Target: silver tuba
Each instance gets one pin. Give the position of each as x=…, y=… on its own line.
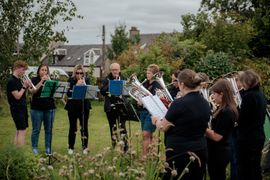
x=137, y=90
x=162, y=93
x=26, y=78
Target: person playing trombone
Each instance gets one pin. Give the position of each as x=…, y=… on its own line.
x=16, y=94
x=42, y=110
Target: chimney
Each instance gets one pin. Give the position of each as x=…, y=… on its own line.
x=133, y=32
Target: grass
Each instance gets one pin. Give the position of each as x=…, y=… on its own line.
x=99, y=133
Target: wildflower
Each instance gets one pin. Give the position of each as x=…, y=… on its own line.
x=86, y=174
x=174, y=173
x=50, y=167
x=91, y=171
x=121, y=174
x=192, y=158
x=110, y=168
x=186, y=170
x=166, y=165
x=43, y=168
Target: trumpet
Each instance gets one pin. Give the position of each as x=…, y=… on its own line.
x=26, y=78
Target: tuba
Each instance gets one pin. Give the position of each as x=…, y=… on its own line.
x=26, y=78
x=231, y=77
x=137, y=90
x=162, y=93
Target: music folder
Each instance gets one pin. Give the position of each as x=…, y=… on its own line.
x=116, y=87
x=85, y=92
x=155, y=106
x=49, y=88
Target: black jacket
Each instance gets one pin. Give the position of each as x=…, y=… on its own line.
x=104, y=90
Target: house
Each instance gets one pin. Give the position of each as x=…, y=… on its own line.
x=67, y=56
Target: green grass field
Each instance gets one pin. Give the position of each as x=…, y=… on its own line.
x=99, y=134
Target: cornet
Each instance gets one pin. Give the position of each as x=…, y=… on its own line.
x=26, y=78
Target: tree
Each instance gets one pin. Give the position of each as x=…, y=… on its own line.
x=35, y=22
x=258, y=11
x=120, y=42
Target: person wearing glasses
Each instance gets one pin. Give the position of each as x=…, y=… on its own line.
x=77, y=110
x=16, y=94
x=42, y=110
x=117, y=121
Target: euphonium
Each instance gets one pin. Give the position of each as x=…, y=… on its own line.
x=26, y=78
x=162, y=93
x=231, y=78
x=137, y=91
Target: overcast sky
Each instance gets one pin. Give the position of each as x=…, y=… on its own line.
x=149, y=16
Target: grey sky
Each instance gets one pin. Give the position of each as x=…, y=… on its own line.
x=149, y=16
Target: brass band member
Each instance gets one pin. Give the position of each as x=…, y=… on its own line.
x=250, y=126
x=115, y=118
x=77, y=110
x=174, y=90
x=147, y=127
x=189, y=115
x=16, y=94
x=42, y=110
x=222, y=124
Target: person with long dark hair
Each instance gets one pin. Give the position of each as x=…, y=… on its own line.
x=220, y=130
x=42, y=110
x=251, y=135
x=78, y=109
x=184, y=125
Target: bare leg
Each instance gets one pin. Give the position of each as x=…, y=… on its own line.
x=20, y=138
x=147, y=140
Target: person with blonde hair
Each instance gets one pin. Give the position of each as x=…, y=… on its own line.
x=145, y=117
x=16, y=94
x=78, y=109
x=185, y=125
x=251, y=135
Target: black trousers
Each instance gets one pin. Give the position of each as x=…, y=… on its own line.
x=250, y=158
x=218, y=159
x=73, y=116
x=117, y=121
x=179, y=162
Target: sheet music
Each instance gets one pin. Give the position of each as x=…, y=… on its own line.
x=155, y=106
x=61, y=90
x=91, y=92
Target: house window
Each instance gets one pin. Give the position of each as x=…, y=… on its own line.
x=92, y=57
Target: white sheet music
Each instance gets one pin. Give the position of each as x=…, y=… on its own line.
x=61, y=90
x=155, y=106
x=91, y=92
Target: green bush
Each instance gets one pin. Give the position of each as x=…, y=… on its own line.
x=215, y=64
x=15, y=164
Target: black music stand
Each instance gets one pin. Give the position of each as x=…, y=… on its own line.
x=49, y=90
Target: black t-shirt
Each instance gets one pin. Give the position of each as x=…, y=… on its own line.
x=222, y=124
x=40, y=103
x=173, y=91
x=14, y=84
x=190, y=115
x=152, y=86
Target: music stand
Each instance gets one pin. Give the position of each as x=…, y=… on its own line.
x=49, y=90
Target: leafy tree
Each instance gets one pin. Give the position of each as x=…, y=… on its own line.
x=35, y=22
x=120, y=42
x=256, y=10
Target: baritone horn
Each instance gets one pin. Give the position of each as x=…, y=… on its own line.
x=164, y=92
x=137, y=90
x=26, y=78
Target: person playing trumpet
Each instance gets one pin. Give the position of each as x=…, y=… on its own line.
x=77, y=110
x=42, y=110
x=16, y=94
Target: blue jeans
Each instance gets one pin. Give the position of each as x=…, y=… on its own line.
x=37, y=116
